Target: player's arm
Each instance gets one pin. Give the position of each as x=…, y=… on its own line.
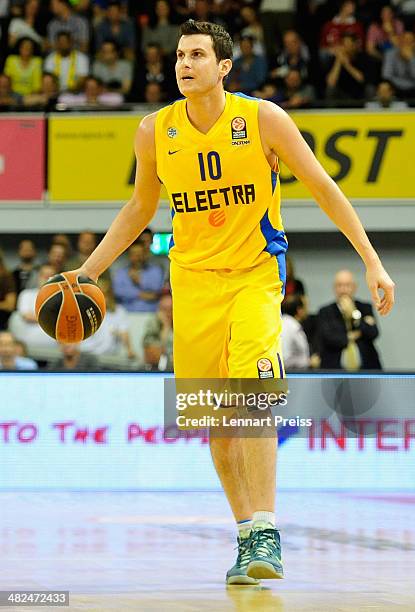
x=138, y=212
x=280, y=135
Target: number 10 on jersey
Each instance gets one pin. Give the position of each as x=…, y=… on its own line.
x=213, y=166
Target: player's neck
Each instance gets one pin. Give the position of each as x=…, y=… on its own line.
x=204, y=111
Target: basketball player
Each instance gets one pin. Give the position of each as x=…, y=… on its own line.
x=217, y=155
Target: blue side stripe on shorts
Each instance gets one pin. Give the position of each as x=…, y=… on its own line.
x=280, y=366
x=171, y=243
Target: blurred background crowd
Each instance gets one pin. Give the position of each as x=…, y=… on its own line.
x=92, y=54
x=137, y=332
x=298, y=53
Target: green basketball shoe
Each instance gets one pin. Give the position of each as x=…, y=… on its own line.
x=265, y=553
x=237, y=574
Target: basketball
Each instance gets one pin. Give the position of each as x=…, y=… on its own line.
x=69, y=307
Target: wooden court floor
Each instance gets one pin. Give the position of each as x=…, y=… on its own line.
x=169, y=552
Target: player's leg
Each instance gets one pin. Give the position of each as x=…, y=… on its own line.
x=200, y=322
x=254, y=350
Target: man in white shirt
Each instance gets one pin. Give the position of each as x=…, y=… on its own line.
x=27, y=328
x=295, y=347
x=70, y=66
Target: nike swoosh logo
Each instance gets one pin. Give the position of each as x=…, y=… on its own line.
x=173, y=152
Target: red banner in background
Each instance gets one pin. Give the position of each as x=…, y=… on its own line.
x=22, y=158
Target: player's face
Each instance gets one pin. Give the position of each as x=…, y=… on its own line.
x=197, y=69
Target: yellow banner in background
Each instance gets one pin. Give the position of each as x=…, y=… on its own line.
x=370, y=155
x=92, y=158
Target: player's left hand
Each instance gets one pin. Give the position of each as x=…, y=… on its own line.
x=377, y=278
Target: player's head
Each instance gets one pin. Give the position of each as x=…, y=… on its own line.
x=204, y=57
x=27, y=250
x=44, y=273
x=344, y=284
x=87, y=241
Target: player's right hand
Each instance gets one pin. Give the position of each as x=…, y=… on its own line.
x=377, y=278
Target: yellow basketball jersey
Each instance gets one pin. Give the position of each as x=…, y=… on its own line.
x=224, y=197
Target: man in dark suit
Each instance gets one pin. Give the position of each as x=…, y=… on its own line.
x=347, y=329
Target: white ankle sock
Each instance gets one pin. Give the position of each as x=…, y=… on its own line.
x=244, y=528
x=263, y=520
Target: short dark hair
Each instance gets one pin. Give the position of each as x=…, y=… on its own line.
x=221, y=39
x=292, y=304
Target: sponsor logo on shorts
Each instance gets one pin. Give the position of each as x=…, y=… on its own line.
x=265, y=369
x=239, y=131
x=171, y=132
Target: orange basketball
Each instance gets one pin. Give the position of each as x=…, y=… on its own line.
x=69, y=307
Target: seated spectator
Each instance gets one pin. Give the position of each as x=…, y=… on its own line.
x=24, y=69
x=276, y=17
x=293, y=285
x=346, y=71
x=8, y=99
x=153, y=94
x=249, y=71
x=347, y=329
x=115, y=26
x=385, y=98
x=138, y=286
x=115, y=73
x=7, y=294
x=9, y=358
x=48, y=95
x=183, y=8
x=295, y=93
x=93, y=95
x=203, y=10
x=87, y=241
x=24, y=274
x=64, y=240
x=158, y=338
x=383, y=34
x=294, y=56
x=69, y=65
x=57, y=256
x=27, y=26
x=251, y=26
x=160, y=30
x=399, y=65
x=269, y=91
x=154, y=69
x=73, y=360
x=28, y=329
x=295, y=348
x=146, y=240
x=343, y=23
x=113, y=334
x=66, y=20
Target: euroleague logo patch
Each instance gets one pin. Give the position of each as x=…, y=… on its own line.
x=238, y=126
x=265, y=369
x=217, y=218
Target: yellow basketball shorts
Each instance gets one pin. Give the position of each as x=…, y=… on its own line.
x=227, y=323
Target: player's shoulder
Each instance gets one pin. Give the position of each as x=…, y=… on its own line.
x=268, y=111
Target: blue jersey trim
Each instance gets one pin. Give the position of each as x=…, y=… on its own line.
x=274, y=177
x=242, y=95
x=171, y=243
x=276, y=244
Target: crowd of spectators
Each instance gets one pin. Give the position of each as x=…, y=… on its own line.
x=340, y=336
x=298, y=53
x=137, y=331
